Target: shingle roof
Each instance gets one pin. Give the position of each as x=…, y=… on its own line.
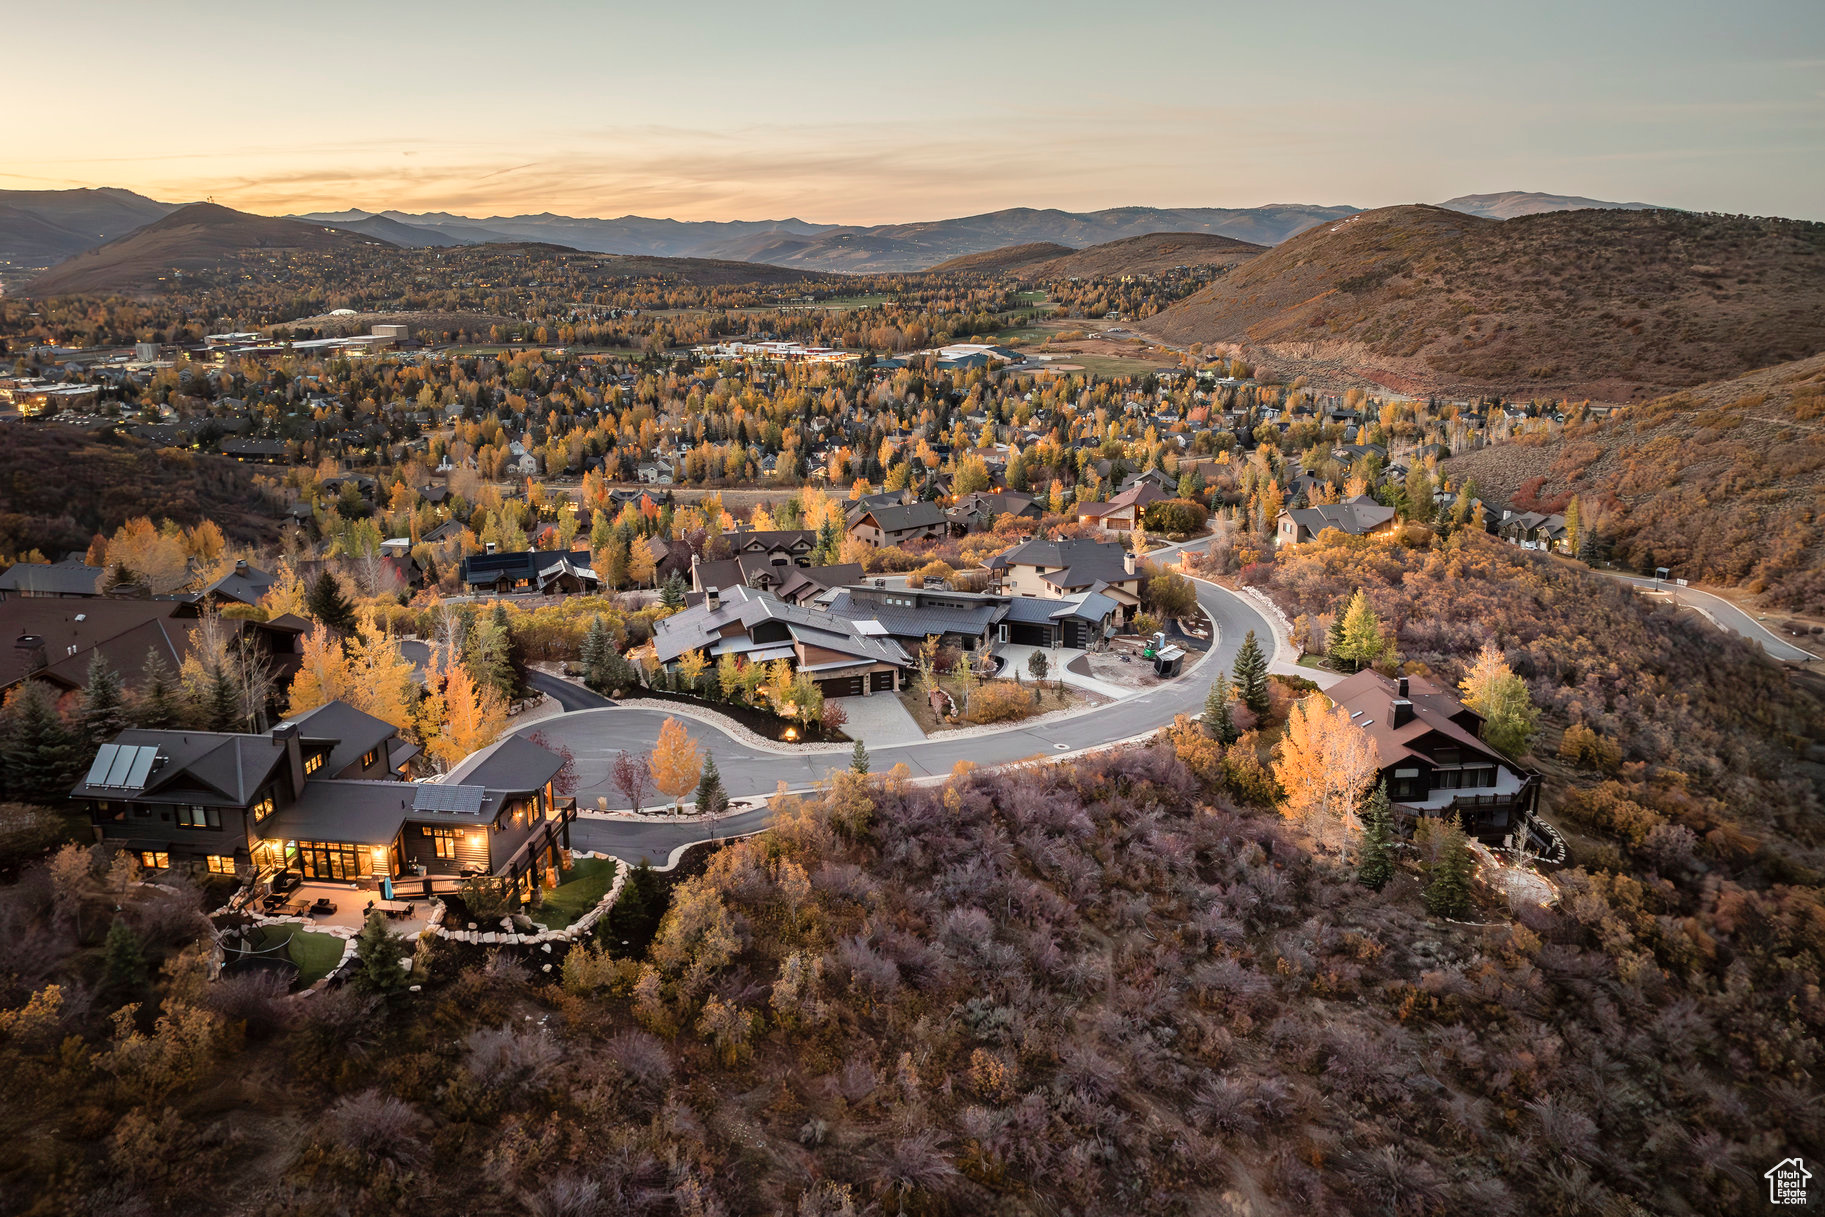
x=515, y=765
x=52, y=579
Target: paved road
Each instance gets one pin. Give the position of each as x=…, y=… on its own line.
x=568, y=695
x=1727, y=615
x=596, y=736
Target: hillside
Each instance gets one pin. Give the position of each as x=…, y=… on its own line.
x=1724, y=483
x=1612, y=305
x=65, y=485
x=406, y=236
x=201, y=241
x=1146, y=255
x=1512, y=203
x=39, y=228
x=1005, y=261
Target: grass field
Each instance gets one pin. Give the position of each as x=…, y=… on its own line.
x=315, y=954
x=584, y=886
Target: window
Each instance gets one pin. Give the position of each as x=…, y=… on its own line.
x=155, y=859
x=369, y=757
x=262, y=808
x=313, y=762
x=190, y=815
x=443, y=840
x=334, y=860
x=221, y=864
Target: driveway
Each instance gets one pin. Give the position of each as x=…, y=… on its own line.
x=881, y=721
x=1723, y=614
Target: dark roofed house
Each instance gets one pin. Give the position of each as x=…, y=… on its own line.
x=1431, y=753
x=242, y=585
x=1361, y=516
x=535, y=570
x=758, y=627
x=881, y=527
x=1123, y=512
x=53, y=640
x=1051, y=569
x=51, y=579
x=793, y=584
x=1533, y=530
x=979, y=511
x=321, y=796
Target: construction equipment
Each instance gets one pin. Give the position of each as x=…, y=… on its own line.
x=1155, y=645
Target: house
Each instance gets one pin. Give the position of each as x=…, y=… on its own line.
x=978, y=512
x=780, y=546
x=1430, y=751
x=1051, y=569
x=654, y=473
x=260, y=451
x=533, y=570
x=58, y=580
x=881, y=527
x=793, y=584
x=853, y=508
x=1533, y=530
x=1122, y=513
x=758, y=627
x=1361, y=516
x=322, y=796
x=242, y=585
x=53, y=640
x=973, y=621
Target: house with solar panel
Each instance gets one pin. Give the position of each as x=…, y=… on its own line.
x=324, y=796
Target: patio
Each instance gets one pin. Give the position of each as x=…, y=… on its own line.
x=351, y=903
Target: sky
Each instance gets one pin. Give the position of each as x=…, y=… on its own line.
x=858, y=113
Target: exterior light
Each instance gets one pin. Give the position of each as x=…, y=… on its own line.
x=791, y=733
x=475, y=838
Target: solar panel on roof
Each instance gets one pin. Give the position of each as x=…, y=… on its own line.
x=104, y=761
x=142, y=768
x=123, y=764
x=433, y=796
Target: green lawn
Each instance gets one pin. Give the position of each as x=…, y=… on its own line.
x=585, y=883
x=315, y=954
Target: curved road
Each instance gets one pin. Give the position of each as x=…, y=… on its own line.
x=596, y=735
x=1725, y=615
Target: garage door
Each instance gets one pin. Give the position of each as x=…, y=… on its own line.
x=882, y=682
x=843, y=686
x=1027, y=634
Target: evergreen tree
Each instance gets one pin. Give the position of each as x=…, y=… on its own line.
x=104, y=704
x=327, y=604
x=158, y=705
x=1376, y=866
x=1333, y=638
x=123, y=962
x=1362, y=643
x=1251, y=675
x=671, y=593
x=1219, y=724
x=221, y=709
x=1493, y=690
x=379, y=957
x=858, y=758
x=595, y=650
x=40, y=758
x=1447, y=892
x=634, y=919
x=712, y=799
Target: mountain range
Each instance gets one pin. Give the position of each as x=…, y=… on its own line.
x=40, y=228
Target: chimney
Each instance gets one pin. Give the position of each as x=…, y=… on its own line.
x=287, y=733
x=1402, y=707
x=1128, y=561
x=1401, y=686
x=30, y=650
x=712, y=597
x=488, y=547
x=240, y=566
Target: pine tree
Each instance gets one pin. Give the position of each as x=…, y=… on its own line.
x=221, y=709
x=40, y=758
x=594, y=652
x=1333, y=638
x=1219, y=723
x=1251, y=674
x=1362, y=643
x=104, y=705
x=1448, y=892
x=712, y=799
x=328, y=605
x=157, y=692
x=671, y=594
x=379, y=957
x=123, y=961
x=858, y=758
x=1376, y=866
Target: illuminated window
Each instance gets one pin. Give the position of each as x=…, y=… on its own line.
x=263, y=808
x=221, y=864
x=155, y=859
x=313, y=762
x=190, y=815
x=443, y=840
x=372, y=755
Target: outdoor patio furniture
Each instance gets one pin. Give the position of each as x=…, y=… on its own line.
x=324, y=907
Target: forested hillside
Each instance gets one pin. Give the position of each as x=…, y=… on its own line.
x=1724, y=483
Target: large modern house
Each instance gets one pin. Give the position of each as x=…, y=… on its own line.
x=1433, y=757
x=758, y=627
x=532, y=570
x=323, y=796
x=1056, y=569
x=973, y=621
